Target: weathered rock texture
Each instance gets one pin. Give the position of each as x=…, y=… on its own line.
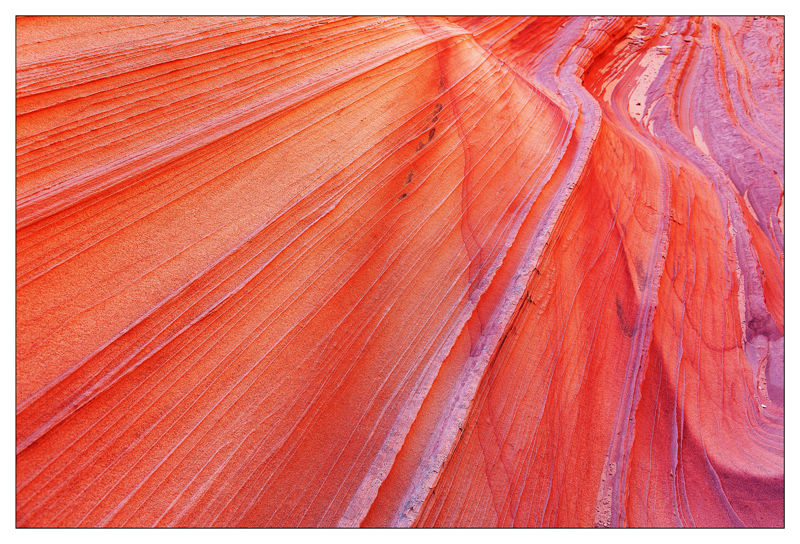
x=402, y=271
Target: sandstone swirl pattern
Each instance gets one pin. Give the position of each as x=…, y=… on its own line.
x=400, y=272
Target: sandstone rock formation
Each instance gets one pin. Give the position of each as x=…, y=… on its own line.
x=400, y=272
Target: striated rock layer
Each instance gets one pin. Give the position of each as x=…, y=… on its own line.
x=400, y=272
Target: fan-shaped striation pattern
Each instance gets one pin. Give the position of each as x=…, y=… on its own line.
x=399, y=271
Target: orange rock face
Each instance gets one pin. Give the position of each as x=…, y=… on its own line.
x=400, y=272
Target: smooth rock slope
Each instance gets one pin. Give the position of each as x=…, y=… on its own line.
x=400, y=272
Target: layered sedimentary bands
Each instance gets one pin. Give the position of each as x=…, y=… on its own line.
x=400, y=272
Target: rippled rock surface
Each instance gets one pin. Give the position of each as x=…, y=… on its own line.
x=400, y=272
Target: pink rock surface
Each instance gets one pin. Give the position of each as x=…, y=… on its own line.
x=400, y=272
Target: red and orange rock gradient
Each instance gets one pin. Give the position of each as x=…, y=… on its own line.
x=400, y=272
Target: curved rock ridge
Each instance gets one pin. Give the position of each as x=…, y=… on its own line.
x=464, y=272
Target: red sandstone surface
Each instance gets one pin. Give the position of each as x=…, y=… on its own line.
x=400, y=272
